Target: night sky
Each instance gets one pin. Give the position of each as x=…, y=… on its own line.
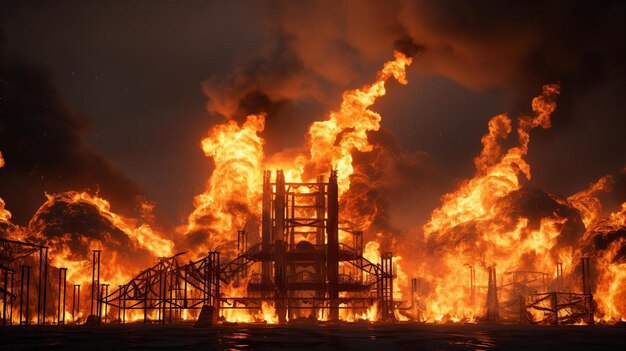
x=116, y=95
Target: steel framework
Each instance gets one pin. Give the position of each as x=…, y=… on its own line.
x=296, y=266
x=11, y=251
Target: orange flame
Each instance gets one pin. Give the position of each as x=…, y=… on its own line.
x=610, y=293
x=232, y=193
x=507, y=242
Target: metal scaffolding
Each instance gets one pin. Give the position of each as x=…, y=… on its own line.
x=296, y=266
x=12, y=253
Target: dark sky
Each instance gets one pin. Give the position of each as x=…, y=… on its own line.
x=148, y=78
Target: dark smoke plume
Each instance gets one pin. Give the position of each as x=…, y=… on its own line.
x=41, y=139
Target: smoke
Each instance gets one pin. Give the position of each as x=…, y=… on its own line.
x=391, y=191
x=42, y=141
x=318, y=47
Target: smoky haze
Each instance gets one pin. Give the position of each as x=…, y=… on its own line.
x=151, y=88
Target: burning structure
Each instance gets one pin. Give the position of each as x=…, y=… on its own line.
x=318, y=260
x=299, y=270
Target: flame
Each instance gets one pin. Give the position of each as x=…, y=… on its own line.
x=141, y=233
x=268, y=311
x=333, y=141
x=472, y=207
x=469, y=228
x=232, y=193
x=497, y=174
x=610, y=293
x=232, y=197
x=587, y=203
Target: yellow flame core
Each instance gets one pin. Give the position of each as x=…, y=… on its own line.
x=333, y=141
x=232, y=194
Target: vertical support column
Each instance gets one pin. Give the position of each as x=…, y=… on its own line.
x=586, y=270
x=61, y=302
x=217, y=281
x=242, y=242
x=25, y=317
x=266, y=226
x=559, y=276
x=357, y=242
x=185, y=290
x=280, y=266
x=290, y=204
x=104, y=299
x=207, y=281
x=163, y=294
x=414, y=304
x=279, y=207
x=214, y=283
x=145, y=303
x=75, y=302
x=493, y=309
x=11, y=304
x=171, y=286
x=40, y=286
x=320, y=239
x=357, y=245
x=242, y=247
x=320, y=210
x=125, y=287
x=45, y=285
x=554, y=305
x=332, y=248
x=95, y=282
x=120, y=318
x=386, y=286
x=4, y=298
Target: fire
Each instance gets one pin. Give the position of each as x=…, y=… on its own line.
x=474, y=229
x=232, y=195
x=610, y=293
x=497, y=174
x=73, y=223
x=232, y=198
x=333, y=141
x=140, y=233
x=588, y=203
x=468, y=228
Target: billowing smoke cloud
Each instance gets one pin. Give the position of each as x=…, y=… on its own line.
x=391, y=190
x=41, y=139
x=319, y=48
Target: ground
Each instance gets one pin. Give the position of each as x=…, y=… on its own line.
x=321, y=337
